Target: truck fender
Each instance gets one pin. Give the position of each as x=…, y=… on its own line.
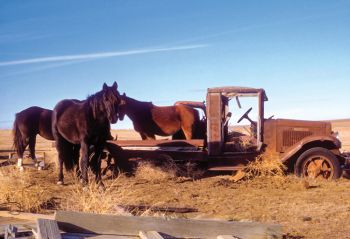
x=328, y=142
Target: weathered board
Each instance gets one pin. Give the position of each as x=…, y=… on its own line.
x=47, y=229
x=75, y=222
x=150, y=235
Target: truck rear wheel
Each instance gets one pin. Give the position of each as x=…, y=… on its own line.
x=318, y=163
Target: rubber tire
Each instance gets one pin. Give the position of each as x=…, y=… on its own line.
x=298, y=168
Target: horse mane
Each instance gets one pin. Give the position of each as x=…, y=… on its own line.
x=137, y=102
x=95, y=102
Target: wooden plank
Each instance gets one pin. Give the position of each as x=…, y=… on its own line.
x=23, y=216
x=94, y=236
x=10, y=232
x=159, y=143
x=226, y=237
x=39, y=155
x=182, y=228
x=150, y=235
x=47, y=229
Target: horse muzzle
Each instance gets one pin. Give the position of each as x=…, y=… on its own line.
x=113, y=119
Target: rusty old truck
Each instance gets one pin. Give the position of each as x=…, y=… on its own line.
x=307, y=148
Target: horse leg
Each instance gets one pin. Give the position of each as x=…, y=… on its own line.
x=32, y=140
x=60, y=149
x=84, y=162
x=20, y=152
x=151, y=137
x=96, y=165
x=109, y=164
x=75, y=157
x=64, y=149
x=145, y=136
x=187, y=131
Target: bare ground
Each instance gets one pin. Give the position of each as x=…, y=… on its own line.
x=305, y=208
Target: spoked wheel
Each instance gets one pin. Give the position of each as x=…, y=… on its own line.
x=318, y=163
x=318, y=166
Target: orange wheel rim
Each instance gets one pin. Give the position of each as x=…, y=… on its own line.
x=318, y=167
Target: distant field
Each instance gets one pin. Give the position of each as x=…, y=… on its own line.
x=343, y=128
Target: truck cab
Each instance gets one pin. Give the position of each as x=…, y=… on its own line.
x=308, y=148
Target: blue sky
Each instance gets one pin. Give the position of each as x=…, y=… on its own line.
x=164, y=51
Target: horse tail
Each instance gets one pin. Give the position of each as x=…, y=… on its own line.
x=18, y=143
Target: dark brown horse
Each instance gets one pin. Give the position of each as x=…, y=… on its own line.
x=150, y=120
x=28, y=123
x=76, y=126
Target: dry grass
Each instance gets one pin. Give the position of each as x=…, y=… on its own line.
x=167, y=169
x=304, y=208
x=266, y=165
x=151, y=172
x=20, y=190
x=91, y=198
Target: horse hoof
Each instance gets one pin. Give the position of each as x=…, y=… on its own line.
x=101, y=187
x=40, y=168
x=21, y=168
x=83, y=182
x=60, y=183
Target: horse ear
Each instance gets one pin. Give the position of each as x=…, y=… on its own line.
x=105, y=87
x=124, y=95
x=115, y=85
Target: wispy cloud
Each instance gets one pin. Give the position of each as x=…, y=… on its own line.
x=98, y=55
x=41, y=68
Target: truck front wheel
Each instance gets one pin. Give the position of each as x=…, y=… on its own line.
x=318, y=163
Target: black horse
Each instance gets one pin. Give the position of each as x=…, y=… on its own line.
x=76, y=126
x=28, y=123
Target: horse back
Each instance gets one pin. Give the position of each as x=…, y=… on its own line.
x=68, y=118
x=165, y=113
x=28, y=120
x=187, y=113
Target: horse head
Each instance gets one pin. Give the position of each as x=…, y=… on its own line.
x=122, y=107
x=104, y=102
x=111, y=101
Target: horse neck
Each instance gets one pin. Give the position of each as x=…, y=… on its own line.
x=100, y=116
x=135, y=107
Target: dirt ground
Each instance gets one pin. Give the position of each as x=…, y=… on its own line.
x=305, y=208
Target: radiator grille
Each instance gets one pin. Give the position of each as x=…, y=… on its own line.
x=291, y=137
